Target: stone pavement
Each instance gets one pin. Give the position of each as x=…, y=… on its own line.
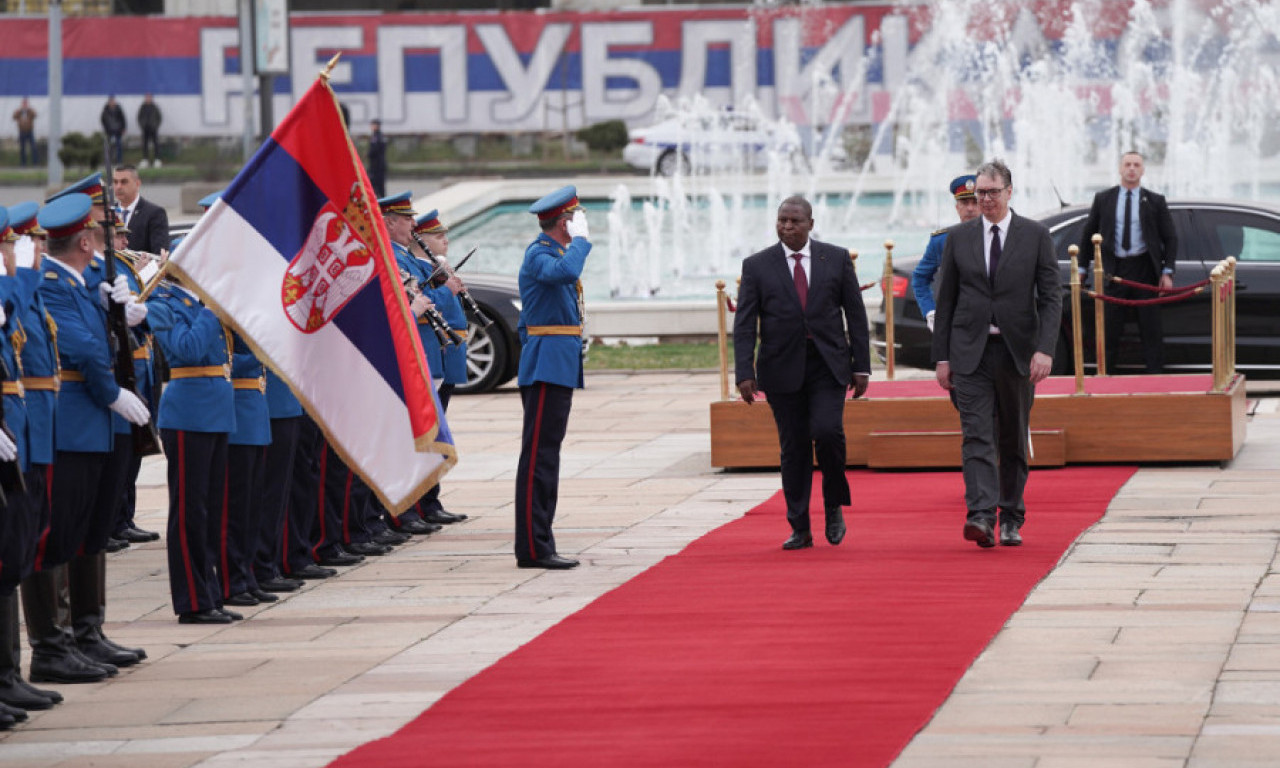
x=1154, y=643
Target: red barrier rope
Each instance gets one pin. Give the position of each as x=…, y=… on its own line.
x=867, y=286
x=1167, y=299
x=1155, y=288
x=728, y=302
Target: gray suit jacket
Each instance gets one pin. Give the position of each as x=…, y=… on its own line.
x=1025, y=301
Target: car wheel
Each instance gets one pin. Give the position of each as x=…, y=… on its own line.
x=672, y=162
x=486, y=358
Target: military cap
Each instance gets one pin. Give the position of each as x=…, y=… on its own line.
x=401, y=204
x=67, y=214
x=563, y=200
x=22, y=217
x=429, y=223
x=7, y=235
x=962, y=186
x=90, y=185
x=208, y=200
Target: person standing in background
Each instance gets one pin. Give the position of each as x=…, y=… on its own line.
x=377, y=158
x=114, y=125
x=149, y=118
x=25, y=117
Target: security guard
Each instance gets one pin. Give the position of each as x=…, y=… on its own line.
x=397, y=211
x=38, y=355
x=551, y=325
x=197, y=413
x=922, y=276
x=79, y=489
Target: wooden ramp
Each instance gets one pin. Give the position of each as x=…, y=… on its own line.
x=912, y=424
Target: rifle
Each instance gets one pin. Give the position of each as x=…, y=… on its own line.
x=146, y=439
x=444, y=272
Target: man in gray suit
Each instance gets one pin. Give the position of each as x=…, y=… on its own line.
x=800, y=298
x=999, y=305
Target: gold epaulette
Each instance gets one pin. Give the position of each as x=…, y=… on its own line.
x=937, y=232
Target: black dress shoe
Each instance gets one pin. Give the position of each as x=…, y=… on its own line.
x=111, y=669
x=101, y=653
x=140, y=653
x=279, y=584
x=368, y=548
x=6, y=722
x=43, y=693
x=233, y=615
x=15, y=694
x=136, y=535
x=1009, y=535
x=835, y=526
x=417, y=528
x=980, y=531
x=313, y=571
x=390, y=538
x=115, y=545
x=799, y=540
x=244, y=598
x=440, y=517
x=263, y=595
x=210, y=616
x=550, y=562
x=65, y=668
x=17, y=713
x=339, y=556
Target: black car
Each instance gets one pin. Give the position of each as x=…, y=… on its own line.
x=1208, y=231
x=493, y=352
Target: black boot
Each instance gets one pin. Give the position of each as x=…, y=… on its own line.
x=13, y=689
x=53, y=655
x=88, y=577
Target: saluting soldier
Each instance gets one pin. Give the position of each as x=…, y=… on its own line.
x=38, y=357
x=197, y=413
x=551, y=326
x=18, y=517
x=80, y=491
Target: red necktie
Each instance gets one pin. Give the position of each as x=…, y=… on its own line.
x=802, y=282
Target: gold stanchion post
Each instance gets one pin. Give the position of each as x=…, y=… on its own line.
x=1077, y=340
x=1099, y=308
x=1216, y=280
x=1231, y=318
x=887, y=292
x=722, y=312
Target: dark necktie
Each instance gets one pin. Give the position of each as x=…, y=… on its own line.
x=995, y=253
x=1128, y=219
x=802, y=282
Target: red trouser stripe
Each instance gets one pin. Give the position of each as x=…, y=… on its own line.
x=533, y=467
x=223, y=545
x=44, y=534
x=182, y=520
x=324, y=463
x=346, y=509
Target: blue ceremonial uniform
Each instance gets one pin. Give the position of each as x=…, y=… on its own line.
x=39, y=366
x=19, y=517
x=926, y=268
x=454, y=355
x=550, y=369
x=197, y=413
x=409, y=264
x=246, y=460
x=549, y=296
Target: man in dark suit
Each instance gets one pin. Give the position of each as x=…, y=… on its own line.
x=812, y=328
x=148, y=223
x=999, y=305
x=1138, y=244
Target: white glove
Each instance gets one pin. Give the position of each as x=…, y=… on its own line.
x=928, y=319
x=8, y=451
x=131, y=408
x=577, y=226
x=134, y=312
x=104, y=294
x=120, y=293
x=3, y=317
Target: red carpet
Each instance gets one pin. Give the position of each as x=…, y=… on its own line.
x=735, y=653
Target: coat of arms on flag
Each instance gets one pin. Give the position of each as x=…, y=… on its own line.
x=296, y=257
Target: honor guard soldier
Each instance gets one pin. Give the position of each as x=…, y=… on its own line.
x=430, y=232
x=922, y=276
x=81, y=495
x=30, y=245
x=244, y=515
x=279, y=534
x=19, y=516
x=397, y=211
x=197, y=413
x=551, y=326
x=38, y=358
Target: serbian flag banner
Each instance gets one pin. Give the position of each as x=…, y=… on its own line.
x=295, y=257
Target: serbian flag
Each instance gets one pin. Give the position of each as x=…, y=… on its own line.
x=295, y=257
